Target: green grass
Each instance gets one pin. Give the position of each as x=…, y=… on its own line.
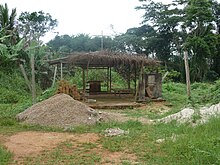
x=5, y=156
x=199, y=145
x=66, y=153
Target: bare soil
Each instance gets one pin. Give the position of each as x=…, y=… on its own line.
x=32, y=144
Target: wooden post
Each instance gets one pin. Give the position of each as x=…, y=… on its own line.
x=187, y=73
x=84, y=83
x=110, y=77
x=129, y=77
x=61, y=71
x=54, y=76
x=141, y=86
x=135, y=78
x=33, y=79
x=107, y=79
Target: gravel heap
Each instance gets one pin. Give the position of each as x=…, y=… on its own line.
x=62, y=111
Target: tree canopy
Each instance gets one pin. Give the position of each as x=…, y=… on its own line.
x=166, y=31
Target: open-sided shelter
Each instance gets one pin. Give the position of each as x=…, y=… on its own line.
x=134, y=64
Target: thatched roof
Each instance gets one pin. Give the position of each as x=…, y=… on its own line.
x=104, y=59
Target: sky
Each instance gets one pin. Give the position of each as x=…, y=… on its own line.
x=92, y=17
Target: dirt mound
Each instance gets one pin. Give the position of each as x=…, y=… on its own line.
x=62, y=111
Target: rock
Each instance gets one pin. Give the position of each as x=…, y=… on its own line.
x=183, y=116
x=187, y=114
x=206, y=113
x=115, y=132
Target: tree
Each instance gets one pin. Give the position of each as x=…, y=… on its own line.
x=36, y=24
x=216, y=56
x=33, y=26
x=201, y=40
x=165, y=20
x=79, y=43
x=190, y=24
x=7, y=25
x=133, y=40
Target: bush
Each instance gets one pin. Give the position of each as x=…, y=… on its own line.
x=13, y=88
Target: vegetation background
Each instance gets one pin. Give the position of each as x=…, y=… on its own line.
x=167, y=30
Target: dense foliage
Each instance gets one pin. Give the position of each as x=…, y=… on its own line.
x=166, y=32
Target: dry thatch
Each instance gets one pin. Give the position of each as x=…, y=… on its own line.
x=104, y=59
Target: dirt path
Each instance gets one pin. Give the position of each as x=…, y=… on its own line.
x=32, y=144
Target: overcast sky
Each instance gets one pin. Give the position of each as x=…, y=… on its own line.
x=85, y=16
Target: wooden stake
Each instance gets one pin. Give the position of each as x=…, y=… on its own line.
x=187, y=73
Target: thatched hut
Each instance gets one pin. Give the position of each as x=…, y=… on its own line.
x=135, y=63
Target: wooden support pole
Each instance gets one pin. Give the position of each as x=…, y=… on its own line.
x=141, y=86
x=135, y=78
x=54, y=76
x=107, y=79
x=187, y=73
x=61, y=71
x=84, y=82
x=129, y=77
x=110, y=77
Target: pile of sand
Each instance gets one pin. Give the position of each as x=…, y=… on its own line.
x=62, y=111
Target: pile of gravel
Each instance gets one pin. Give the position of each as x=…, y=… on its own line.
x=61, y=111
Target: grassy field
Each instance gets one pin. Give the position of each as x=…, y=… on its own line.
x=179, y=144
